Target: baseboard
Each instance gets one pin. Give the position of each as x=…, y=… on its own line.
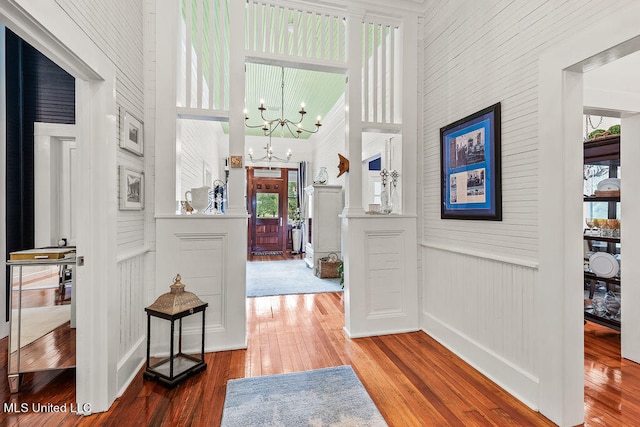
x=130, y=364
x=379, y=333
x=517, y=382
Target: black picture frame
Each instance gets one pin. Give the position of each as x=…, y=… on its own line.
x=471, y=168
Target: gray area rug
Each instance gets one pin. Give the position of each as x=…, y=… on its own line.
x=324, y=397
x=266, y=278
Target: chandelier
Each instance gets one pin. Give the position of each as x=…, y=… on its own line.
x=270, y=125
x=269, y=156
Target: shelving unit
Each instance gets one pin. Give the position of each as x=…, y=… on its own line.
x=602, y=152
x=324, y=206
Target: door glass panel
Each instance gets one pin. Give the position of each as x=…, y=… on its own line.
x=267, y=205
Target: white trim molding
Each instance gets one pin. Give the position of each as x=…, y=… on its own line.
x=485, y=255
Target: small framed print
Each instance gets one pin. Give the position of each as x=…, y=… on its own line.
x=236, y=161
x=132, y=138
x=131, y=189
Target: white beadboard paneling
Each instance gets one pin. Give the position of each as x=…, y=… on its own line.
x=483, y=310
x=132, y=319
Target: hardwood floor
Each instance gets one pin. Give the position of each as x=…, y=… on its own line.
x=283, y=257
x=413, y=380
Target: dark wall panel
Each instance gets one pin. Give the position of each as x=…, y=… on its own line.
x=14, y=167
x=37, y=91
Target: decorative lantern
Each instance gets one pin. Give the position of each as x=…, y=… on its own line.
x=172, y=306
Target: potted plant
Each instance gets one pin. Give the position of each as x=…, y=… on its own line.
x=296, y=233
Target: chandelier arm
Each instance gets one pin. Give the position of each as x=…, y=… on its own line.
x=311, y=131
x=264, y=119
x=295, y=123
x=270, y=131
x=253, y=127
x=295, y=135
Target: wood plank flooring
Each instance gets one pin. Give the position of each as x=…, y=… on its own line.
x=413, y=380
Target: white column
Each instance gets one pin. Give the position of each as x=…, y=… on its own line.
x=353, y=119
x=408, y=60
x=630, y=233
x=236, y=106
x=559, y=319
x=165, y=123
x=96, y=298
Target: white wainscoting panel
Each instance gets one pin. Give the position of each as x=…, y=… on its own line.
x=132, y=319
x=381, y=279
x=385, y=275
x=483, y=310
x=209, y=252
x=201, y=258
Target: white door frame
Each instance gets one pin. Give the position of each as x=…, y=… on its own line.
x=558, y=296
x=4, y=326
x=49, y=29
x=48, y=139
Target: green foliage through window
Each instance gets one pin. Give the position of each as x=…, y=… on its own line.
x=267, y=205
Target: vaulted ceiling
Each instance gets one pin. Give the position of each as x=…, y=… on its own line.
x=319, y=91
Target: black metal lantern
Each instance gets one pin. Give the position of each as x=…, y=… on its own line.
x=172, y=306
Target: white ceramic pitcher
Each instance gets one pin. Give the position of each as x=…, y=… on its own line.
x=199, y=199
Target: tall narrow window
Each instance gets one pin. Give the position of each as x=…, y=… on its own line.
x=292, y=196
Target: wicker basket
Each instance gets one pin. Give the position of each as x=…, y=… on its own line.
x=328, y=267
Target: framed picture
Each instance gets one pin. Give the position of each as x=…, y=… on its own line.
x=131, y=189
x=132, y=138
x=470, y=162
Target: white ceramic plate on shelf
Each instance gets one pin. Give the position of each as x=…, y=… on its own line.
x=609, y=184
x=603, y=264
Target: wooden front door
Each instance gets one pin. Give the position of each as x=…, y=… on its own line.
x=268, y=209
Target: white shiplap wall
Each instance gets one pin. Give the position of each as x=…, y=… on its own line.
x=327, y=143
x=117, y=27
x=478, y=277
x=476, y=55
x=199, y=141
